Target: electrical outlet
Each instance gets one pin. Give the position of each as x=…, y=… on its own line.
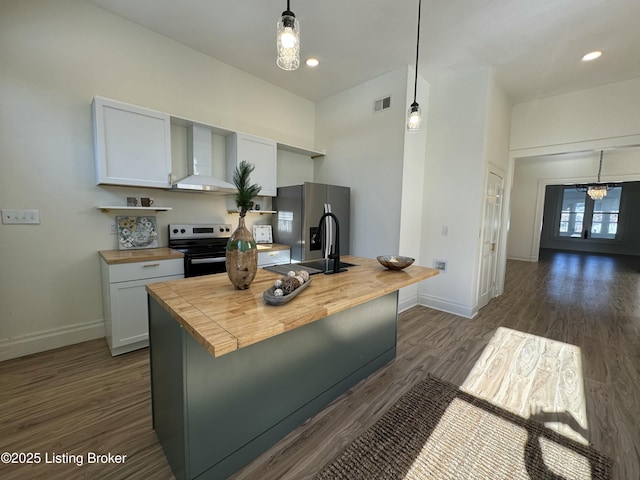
x=445, y=230
x=8, y=215
x=112, y=229
x=14, y=217
x=440, y=265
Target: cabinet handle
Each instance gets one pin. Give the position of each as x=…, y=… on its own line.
x=151, y=265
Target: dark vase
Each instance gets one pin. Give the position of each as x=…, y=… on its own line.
x=241, y=257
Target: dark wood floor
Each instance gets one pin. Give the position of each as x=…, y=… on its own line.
x=79, y=399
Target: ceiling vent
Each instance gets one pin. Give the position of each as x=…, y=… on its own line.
x=382, y=104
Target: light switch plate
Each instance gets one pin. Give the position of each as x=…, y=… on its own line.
x=16, y=217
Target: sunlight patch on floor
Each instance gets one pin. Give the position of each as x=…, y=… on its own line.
x=533, y=377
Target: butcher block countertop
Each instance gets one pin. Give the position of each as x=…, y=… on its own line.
x=223, y=319
x=272, y=247
x=114, y=257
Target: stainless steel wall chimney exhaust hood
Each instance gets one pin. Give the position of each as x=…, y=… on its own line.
x=200, y=165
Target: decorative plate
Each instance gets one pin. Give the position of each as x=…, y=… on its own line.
x=136, y=232
x=262, y=234
x=271, y=299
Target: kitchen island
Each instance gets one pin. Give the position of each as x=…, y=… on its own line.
x=231, y=375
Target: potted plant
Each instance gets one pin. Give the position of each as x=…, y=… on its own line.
x=242, y=252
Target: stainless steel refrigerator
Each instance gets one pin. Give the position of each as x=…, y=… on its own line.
x=299, y=209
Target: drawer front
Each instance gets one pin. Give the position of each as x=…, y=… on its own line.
x=276, y=257
x=144, y=270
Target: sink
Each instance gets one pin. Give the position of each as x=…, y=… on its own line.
x=311, y=266
x=323, y=265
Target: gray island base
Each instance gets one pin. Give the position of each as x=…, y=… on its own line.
x=213, y=415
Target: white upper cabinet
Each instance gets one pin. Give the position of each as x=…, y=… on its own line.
x=132, y=145
x=261, y=152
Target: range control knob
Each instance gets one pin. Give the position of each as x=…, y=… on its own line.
x=183, y=230
x=221, y=229
x=228, y=229
x=175, y=230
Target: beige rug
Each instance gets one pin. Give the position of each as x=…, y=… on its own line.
x=435, y=431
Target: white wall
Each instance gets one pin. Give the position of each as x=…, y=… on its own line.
x=610, y=111
x=411, y=216
x=496, y=154
x=294, y=169
x=498, y=126
x=55, y=57
x=381, y=162
x=468, y=120
x=365, y=152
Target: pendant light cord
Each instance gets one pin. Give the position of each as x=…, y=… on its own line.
x=600, y=169
x=415, y=82
x=288, y=11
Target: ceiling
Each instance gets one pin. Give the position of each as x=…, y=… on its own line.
x=534, y=46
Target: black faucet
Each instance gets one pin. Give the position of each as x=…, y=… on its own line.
x=335, y=255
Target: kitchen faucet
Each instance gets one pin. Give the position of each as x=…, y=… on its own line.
x=335, y=256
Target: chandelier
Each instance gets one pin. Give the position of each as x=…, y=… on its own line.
x=598, y=190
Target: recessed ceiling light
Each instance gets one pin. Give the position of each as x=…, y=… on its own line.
x=591, y=56
x=312, y=62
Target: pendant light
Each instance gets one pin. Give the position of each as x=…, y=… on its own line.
x=414, y=120
x=288, y=41
x=598, y=190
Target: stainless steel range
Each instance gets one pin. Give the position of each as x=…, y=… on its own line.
x=203, y=246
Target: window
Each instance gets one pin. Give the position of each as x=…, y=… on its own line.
x=581, y=214
x=604, y=223
x=572, y=214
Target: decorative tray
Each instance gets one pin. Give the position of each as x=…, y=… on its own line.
x=271, y=299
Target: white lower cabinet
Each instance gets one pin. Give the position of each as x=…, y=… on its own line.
x=275, y=257
x=125, y=300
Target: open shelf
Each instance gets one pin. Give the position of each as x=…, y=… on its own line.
x=261, y=212
x=302, y=150
x=108, y=208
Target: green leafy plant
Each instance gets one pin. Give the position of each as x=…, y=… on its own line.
x=246, y=191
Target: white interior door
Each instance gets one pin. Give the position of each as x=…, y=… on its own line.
x=490, y=238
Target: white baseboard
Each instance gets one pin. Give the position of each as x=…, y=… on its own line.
x=447, y=306
x=407, y=303
x=50, y=339
x=407, y=297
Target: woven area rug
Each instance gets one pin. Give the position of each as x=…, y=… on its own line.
x=435, y=431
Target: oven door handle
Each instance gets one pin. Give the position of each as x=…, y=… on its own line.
x=200, y=261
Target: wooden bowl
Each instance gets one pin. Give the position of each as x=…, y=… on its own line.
x=395, y=262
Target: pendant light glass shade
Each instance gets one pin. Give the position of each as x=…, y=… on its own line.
x=414, y=119
x=288, y=41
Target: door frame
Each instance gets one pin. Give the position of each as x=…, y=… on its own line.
x=498, y=273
